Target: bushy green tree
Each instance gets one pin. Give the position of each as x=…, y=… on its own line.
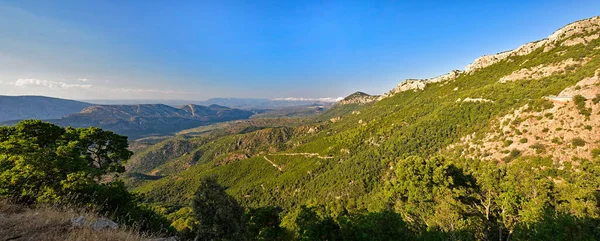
x=376, y=226
x=312, y=226
x=218, y=214
x=264, y=223
x=44, y=163
x=432, y=193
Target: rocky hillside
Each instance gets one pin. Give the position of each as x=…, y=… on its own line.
x=538, y=101
x=37, y=107
x=143, y=120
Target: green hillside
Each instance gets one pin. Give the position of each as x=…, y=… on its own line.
x=353, y=156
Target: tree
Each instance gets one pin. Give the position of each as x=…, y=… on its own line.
x=385, y=225
x=42, y=162
x=311, y=226
x=432, y=193
x=218, y=214
x=264, y=223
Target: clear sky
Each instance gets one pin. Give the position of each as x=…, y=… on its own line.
x=195, y=50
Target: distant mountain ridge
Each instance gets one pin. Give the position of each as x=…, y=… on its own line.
x=132, y=120
x=150, y=119
x=239, y=103
x=37, y=107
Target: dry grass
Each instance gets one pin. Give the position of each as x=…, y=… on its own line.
x=19, y=223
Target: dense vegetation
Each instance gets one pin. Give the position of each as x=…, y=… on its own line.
x=365, y=159
x=41, y=163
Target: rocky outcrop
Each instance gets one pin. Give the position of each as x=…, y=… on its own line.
x=420, y=84
x=541, y=71
x=358, y=97
x=469, y=99
x=564, y=34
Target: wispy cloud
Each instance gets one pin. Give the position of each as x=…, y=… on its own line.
x=49, y=84
x=326, y=99
x=63, y=84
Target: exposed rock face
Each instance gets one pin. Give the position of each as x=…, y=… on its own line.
x=579, y=27
x=587, y=87
x=567, y=36
x=420, y=84
x=542, y=71
x=469, y=99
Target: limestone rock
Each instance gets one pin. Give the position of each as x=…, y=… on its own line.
x=579, y=27
x=420, y=84
x=78, y=222
x=104, y=223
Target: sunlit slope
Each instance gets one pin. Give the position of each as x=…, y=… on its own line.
x=345, y=158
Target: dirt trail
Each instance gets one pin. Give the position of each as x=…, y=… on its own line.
x=273, y=163
x=303, y=154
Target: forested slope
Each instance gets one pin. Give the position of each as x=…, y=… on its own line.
x=398, y=151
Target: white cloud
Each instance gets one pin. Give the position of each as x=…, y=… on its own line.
x=326, y=99
x=49, y=84
x=83, y=80
x=31, y=85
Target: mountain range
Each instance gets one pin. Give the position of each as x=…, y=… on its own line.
x=37, y=107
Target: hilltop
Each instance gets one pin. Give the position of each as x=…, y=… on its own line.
x=37, y=107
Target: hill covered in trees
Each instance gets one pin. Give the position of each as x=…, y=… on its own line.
x=405, y=152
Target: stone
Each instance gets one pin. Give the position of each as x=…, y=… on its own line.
x=163, y=239
x=104, y=223
x=78, y=221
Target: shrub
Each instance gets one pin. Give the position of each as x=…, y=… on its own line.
x=556, y=140
x=596, y=99
x=577, y=141
x=523, y=140
x=538, y=147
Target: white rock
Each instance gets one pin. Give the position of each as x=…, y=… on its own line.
x=163, y=239
x=579, y=27
x=103, y=223
x=78, y=222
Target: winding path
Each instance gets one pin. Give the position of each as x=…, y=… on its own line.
x=273, y=163
x=303, y=154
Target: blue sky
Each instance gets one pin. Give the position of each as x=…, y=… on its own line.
x=261, y=49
